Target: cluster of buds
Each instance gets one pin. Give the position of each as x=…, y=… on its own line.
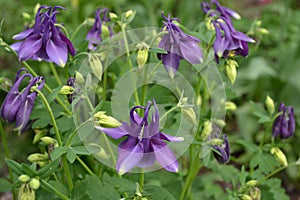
x=28, y=188
x=250, y=191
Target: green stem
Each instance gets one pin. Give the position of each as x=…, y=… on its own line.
x=75, y=131
x=77, y=30
x=142, y=179
x=168, y=112
x=267, y=132
x=55, y=73
x=63, y=28
x=57, y=134
x=125, y=40
x=144, y=87
x=58, y=193
x=7, y=155
x=110, y=149
x=84, y=165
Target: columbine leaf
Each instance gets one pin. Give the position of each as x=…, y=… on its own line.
x=48, y=169
x=5, y=185
x=14, y=166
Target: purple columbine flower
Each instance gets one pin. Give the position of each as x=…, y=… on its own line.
x=95, y=34
x=284, y=124
x=222, y=152
x=144, y=143
x=178, y=46
x=44, y=41
x=17, y=106
x=228, y=42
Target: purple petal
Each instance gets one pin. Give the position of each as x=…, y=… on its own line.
x=16, y=46
x=57, y=51
x=147, y=160
x=29, y=47
x=130, y=154
x=241, y=36
x=190, y=50
x=171, y=62
x=115, y=133
x=68, y=43
x=170, y=138
x=22, y=35
x=164, y=155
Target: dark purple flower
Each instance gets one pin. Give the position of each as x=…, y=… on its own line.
x=44, y=41
x=71, y=82
x=284, y=124
x=222, y=152
x=95, y=34
x=178, y=46
x=144, y=143
x=228, y=42
x=17, y=106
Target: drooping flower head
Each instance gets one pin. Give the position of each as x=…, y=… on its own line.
x=144, y=143
x=17, y=106
x=95, y=35
x=178, y=45
x=228, y=42
x=45, y=40
x=222, y=152
x=284, y=124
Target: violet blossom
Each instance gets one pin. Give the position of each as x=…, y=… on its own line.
x=17, y=106
x=178, y=45
x=284, y=124
x=222, y=152
x=144, y=143
x=44, y=41
x=95, y=35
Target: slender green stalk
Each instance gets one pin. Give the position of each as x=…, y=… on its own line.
x=84, y=165
x=142, y=179
x=168, y=112
x=110, y=149
x=104, y=84
x=58, y=193
x=78, y=29
x=144, y=87
x=7, y=155
x=57, y=134
x=266, y=132
x=63, y=28
x=55, y=73
x=75, y=131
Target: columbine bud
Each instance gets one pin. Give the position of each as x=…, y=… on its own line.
x=142, y=56
x=96, y=66
x=284, y=124
x=270, y=105
x=48, y=140
x=128, y=14
x=279, y=155
x=190, y=114
x=67, y=90
x=230, y=67
x=262, y=31
x=26, y=193
x=251, y=183
x=113, y=16
x=245, y=197
x=34, y=184
x=106, y=121
x=207, y=129
x=105, y=31
x=35, y=157
x=26, y=16
x=24, y=178
x=230, y=106
x=255, y=193
x=79, y=78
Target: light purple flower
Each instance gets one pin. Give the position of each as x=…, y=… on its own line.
x=17, y=106
x=44, y=41
x=222, y=152
x=284, y=124
x=144, y=143
x=178, y=46
x=95, y=34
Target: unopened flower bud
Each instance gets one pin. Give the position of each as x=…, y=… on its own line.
x=230, y=67
x=105, y=31
x=245, y=197
x=79, y=78
x=67, y=90
x=215, y=141
x=26, y=193
x=255, y=193
x=263, y=31
x=279, y=155
x=26, y=16
x=251, y=183
x=270, y=105
x=106, y=121
x=219, y=122
x=34, y=184
x=48, y=140
x=96, y=66
x=142, y=57
x=190, y=114
x=36, y=157
x=24, y=178
x=230, y=106
x=128, y=14
x=207, y=129
x=113, y=16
